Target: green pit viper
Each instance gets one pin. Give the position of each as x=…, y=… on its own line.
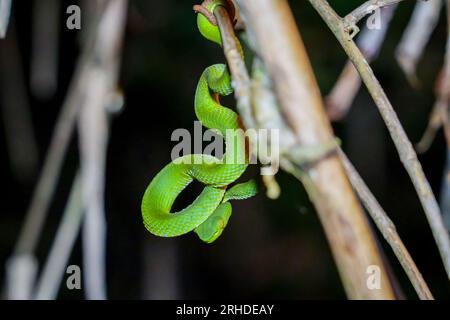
x=209, y=213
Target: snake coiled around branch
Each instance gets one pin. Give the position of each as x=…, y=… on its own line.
x=209, y=213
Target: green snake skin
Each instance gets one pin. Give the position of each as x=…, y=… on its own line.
x=209, y=213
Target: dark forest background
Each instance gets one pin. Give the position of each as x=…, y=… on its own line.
x=271, y=248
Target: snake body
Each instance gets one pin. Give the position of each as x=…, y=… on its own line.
x=209, y=213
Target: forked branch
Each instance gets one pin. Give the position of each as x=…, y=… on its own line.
x=272, y=25
x=402, y=143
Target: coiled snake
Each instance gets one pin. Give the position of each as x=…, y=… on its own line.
x=209, y=213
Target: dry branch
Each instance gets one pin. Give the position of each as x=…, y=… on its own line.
x=363, y=10
x=267, y=116
x=387, y=228
x=402, y=143
x=55, y=267
x=423, y=21
x=93, y=130
x=241, y=79
x=100, y=55
x=344, y=91
x=280, y=46
x=264, y=108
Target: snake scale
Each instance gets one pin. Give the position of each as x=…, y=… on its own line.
x=209, y=213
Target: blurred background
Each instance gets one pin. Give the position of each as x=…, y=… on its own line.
x=271, y=248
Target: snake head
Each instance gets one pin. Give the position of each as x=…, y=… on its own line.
x=213, y=227
x=206, y=21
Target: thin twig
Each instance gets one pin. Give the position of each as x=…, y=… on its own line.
x=420, y=27
x=56, y=264
x=93, y=132
x=363, y=10
x=404, y=147
x=241, y=79
x=434, y=124
x=387, y=228
x=344, y=91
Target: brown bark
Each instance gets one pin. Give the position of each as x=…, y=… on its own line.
x=273, y=27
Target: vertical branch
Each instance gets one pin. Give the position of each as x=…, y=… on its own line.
x=402, y=143
x=282, y=50
x=241, y=78
x=93, y=132
x=93, y=129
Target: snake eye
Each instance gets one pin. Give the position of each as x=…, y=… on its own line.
x=211, y=229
